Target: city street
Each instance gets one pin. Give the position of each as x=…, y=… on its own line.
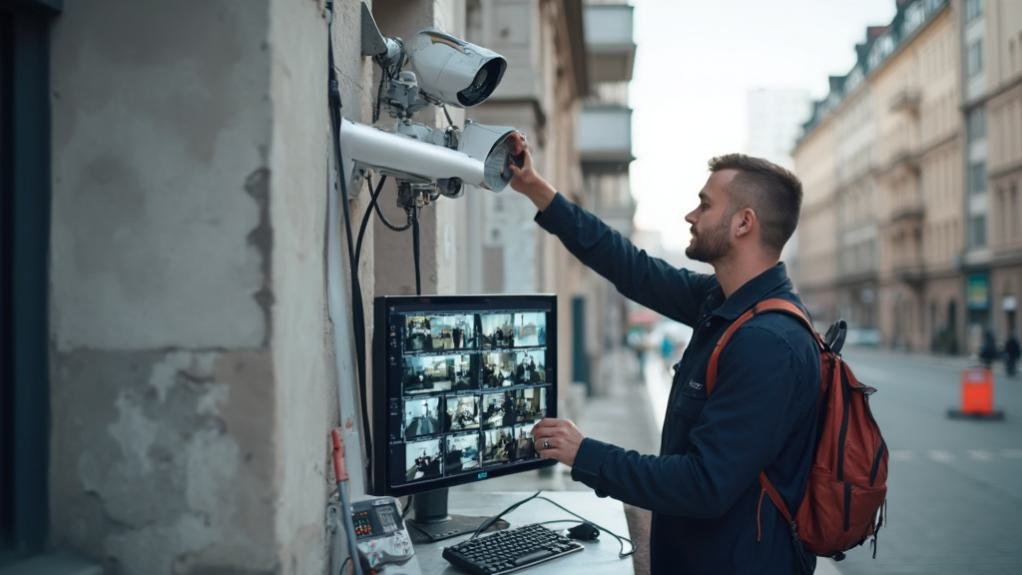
x=955, y=499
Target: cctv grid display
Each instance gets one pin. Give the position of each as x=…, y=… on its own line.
x=464, y=391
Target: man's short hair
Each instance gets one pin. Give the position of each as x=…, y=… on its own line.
x=773, y=192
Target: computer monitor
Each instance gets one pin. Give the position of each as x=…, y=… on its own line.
x=458, y=384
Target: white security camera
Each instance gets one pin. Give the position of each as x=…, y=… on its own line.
x=454, y=71
x=481, y=157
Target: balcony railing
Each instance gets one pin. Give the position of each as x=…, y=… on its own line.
x=605, y=138
x=610, y=44
x=906, y=100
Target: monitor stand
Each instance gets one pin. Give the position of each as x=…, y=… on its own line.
x=432, y=522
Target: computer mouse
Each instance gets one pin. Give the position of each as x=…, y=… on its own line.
x=584, y=531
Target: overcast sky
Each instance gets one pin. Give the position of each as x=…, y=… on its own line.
x=695, y=62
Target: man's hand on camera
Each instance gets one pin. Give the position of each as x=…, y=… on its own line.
x=557, y=439
x=524, y=178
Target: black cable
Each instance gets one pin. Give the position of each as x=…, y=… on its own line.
x=367, y=215
x=486, y=524
x=621, y=554
x=415, y=249
x=450, y=122
x=387, y=223
x=343, y=565
x=379, y=92
x=408, y=506
x=358, y=309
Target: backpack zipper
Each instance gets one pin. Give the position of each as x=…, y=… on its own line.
x=848, y=505
x=876, y=462
x=759, y=508
x=846, y=390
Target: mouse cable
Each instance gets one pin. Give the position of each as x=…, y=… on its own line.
x=620, y=538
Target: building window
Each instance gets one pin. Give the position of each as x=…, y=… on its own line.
x=1012, y=212
x=977, y=177
x=973, y=10
x=977, y=124
x=978, y=231
x=974, y=58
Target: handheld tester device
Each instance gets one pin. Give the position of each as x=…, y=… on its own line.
x=381, y=537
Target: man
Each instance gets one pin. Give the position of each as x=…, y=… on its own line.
x=1012, y=351
x=709, y=514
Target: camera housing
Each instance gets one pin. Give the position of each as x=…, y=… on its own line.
x=454, y=71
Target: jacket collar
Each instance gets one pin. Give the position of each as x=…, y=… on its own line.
x=758, y=288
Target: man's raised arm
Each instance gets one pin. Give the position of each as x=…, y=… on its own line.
x=652, y=282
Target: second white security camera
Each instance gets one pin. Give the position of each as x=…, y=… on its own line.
x=454, y=71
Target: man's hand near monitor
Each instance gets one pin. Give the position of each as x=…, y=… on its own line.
x=557, y=439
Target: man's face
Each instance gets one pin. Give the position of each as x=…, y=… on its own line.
x=711, y=221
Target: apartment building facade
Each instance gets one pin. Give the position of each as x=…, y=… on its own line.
x=912, y=153
x=1002, y=102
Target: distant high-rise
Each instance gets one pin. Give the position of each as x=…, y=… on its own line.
x=774, y=122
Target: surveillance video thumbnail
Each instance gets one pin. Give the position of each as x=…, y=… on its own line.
x=530, y=366
x=530, y=329
x=421, y=417
x=498, y=369
x=462, y=412
x=497, y=330
x=525, y=445
x=498, y=409
x=422, y=459
x=429, y=374
x=530, y=403
x=462, y=453
x=498, y=445
x=435, y=332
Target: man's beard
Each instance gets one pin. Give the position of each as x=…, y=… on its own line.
x=712, y=244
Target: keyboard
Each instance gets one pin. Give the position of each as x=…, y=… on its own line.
x=509, y=550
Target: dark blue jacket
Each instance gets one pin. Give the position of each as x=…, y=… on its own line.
x=709, y=515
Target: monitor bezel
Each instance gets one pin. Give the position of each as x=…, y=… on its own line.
x=379, y=472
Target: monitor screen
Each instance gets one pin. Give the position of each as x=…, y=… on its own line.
x=458, y=383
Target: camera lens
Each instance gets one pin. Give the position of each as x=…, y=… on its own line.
x=484, y=83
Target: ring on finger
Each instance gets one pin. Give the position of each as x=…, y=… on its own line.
x=546, y=444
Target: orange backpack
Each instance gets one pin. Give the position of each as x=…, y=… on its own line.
x=846, y=494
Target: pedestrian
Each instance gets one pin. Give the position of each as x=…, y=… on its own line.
x=709, y=514
x=988, y=349
x=1012, y=351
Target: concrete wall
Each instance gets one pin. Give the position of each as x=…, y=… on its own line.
x=192, y=370
x=163, y=450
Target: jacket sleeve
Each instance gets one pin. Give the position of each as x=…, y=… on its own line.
x=652, y=282
x=742, y=429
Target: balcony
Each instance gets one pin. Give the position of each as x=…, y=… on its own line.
x=604, y=138
x=905, y=100
x=610, y=45
x=906, y=252
x=907, y=208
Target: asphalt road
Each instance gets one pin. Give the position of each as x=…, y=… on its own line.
x=955, y=486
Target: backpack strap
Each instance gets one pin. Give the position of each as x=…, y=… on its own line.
x=767, y=305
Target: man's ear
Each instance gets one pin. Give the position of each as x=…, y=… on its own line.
x=746, y=220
